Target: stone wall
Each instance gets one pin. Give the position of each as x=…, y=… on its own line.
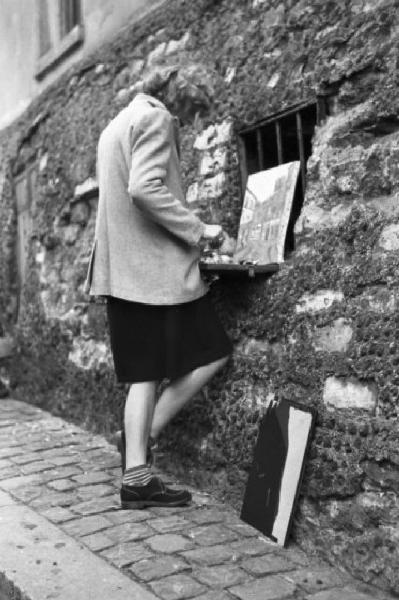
x=323, y=331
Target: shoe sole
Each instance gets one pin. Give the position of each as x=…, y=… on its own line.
x=137, y=504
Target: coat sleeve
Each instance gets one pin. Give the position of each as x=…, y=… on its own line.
x=151, y=149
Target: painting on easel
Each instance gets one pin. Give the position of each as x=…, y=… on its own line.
x=276, y=473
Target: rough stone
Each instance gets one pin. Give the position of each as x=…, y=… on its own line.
x=221, y=576
x=89, y=187
x=90, y=354
x=169, y=543
x=316, y=218
x=207, y=535
x=334, y=338
x=86, y=525
x=389, y=238
x=177, y=45
x=214, y=135
x=211, y=556
x=273, y=587
x=321, y=300
x=212, y=187
x=177, y=587
x=157, y=568
x=264, y=565
x=127, y=532
x=213, y=161
x=156, y=54
x=349, y=393
x=125, y=554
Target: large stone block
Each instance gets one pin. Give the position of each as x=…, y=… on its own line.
x=317, y=218
x=213, y=161
x=389, y=238
x=214, y=135
x=90, y=354
x=334, y=338
x=321, y=300
x=342, y=393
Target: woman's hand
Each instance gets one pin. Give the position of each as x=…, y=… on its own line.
x=213, y=234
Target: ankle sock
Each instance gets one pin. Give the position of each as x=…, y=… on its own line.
x=140, y=475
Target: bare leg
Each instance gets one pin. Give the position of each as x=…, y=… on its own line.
x=179, y=392
x=139, y=411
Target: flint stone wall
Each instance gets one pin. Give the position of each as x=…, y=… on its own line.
x=323, y=331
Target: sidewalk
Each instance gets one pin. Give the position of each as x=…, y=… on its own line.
x=63, y=536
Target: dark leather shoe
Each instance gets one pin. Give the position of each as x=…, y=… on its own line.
x=120, y=440
x=155, y=493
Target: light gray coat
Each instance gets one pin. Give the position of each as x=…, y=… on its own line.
x=146, y=239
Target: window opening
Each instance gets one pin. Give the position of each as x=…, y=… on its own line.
x=69, y=16
x=282, y=138
x=44, y=28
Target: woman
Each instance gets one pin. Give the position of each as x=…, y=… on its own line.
x=145, y=261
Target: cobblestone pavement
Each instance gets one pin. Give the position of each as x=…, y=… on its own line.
x=72, y=477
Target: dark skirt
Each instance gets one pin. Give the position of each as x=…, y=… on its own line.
x=153, y=342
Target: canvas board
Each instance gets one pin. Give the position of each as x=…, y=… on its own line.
x=276, y=473
x=265, y=214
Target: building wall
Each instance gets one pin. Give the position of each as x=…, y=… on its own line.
x=19, y=45
x=323, y=331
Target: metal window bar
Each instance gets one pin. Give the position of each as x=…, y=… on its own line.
x=302, y=158
x=277, y=120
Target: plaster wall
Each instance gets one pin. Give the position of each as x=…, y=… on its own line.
x=101, y=19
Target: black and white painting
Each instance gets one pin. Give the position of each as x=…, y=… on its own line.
x=277, y=468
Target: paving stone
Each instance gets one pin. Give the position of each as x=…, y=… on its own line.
x=156, y=568
x=25, y=458
x=64, y=460
x=296, y=555
x=253, y=546
x=212, y=555
x=36, y=467
x=92, y=477
x=218, y=595
x=243, y=529
x=263, y=565
x=60, y=472
x=97, y=541
x=221, y=576
x=20, y=481
x=28, y=494
x=312, y=580
x=9, y=472
x=346, y=593
x=86, y=525
x=208, y=535
x=205, y=515
x=5, y=462
x=169, y=543
x=273, y=587
x=125, y=554
x=177, y=587
x=127, y=516
x=88, y=492
x=54, y=498
x=127, y=532
x=173, y=523
x=62, y=485
x=58, y=514
x=97, y=505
